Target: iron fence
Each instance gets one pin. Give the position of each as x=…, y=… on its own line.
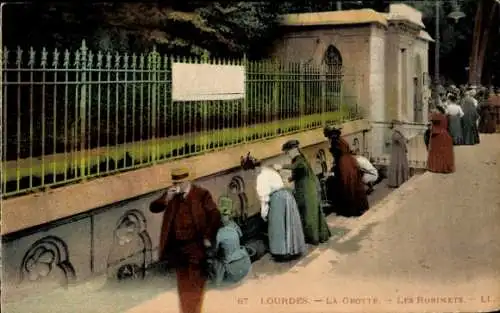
x=69, y=116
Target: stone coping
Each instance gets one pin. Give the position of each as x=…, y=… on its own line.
x=346, y=17
x=36, y=209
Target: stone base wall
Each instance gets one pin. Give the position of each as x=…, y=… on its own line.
x=101, y=241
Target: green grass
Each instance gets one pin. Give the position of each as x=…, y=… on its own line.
x=164, y=149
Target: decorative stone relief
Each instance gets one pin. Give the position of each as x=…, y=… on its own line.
x=131, y=252
x=44, y=257
x=355, y=145
x=322, y=162
x=237, y=191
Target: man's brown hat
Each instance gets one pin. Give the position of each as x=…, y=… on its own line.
x=180, y=174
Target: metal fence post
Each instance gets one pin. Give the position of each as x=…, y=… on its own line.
x=244, y=62
x=301, y=95
x=83, y=108
x=276, y=93
x=322, y=73
x=153, y=70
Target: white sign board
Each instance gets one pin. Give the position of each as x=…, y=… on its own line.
x=198, y=82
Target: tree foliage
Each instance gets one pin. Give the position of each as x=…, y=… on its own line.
x=223, y=29
x=180, y=27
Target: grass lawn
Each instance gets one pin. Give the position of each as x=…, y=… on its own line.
x=163, y=149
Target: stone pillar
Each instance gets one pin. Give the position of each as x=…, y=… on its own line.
x=377, y=87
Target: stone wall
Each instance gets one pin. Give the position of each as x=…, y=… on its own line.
x=388, y=60
x=100, y=241
x=353, y=43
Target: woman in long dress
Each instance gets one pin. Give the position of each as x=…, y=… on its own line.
x=398, y=171
x=455, y=114
x=307, y=194
x=279, y=208
x=351, y=198
x=440, y=158
x=469, y=120
x=487, y=121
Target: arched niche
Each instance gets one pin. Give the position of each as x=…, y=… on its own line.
x=333, y=58
x=47, y=257
x=333, y=63
x=237, y=190
x=131, y=253
x=321, y=161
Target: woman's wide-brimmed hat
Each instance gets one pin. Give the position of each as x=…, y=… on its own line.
x=290, y=144
x=248, y=162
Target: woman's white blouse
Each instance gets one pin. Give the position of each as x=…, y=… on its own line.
x=268, y=181
x=454, y=110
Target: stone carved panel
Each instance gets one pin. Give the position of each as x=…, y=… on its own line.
x=47, y=260
x=322, y=162
x=356, y=146
x=131, y=251
x=237, y=190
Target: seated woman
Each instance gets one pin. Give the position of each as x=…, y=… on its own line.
x=440, y=157
x=278, y=207
x=369, y=174
x=230, y=262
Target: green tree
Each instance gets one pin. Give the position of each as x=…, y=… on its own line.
x=180, y=27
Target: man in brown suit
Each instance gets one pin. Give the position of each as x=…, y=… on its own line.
x=190, y=223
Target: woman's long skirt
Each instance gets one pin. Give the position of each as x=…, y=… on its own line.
x=286, y=236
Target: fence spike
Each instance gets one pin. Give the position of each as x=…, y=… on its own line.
x=134, y=61
x=55, y=58
x=141, y=61
x=77, y=58
x=43, y=59
x=125, y=61
x=148, y=60
x=5, y=56
x=83, y=54
x=117, y=60
x=66, y=58
x=99, y=59
x=90, y=59
x=158, y=61
x=84, y=46
x=205, y=56
x=166, y=60
x=109, y=59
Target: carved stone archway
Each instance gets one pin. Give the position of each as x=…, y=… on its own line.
x=45, y=256
x=131, y=252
